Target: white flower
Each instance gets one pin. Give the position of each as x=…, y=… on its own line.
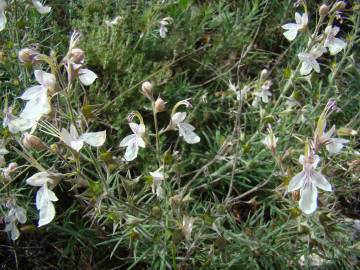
x=163, y=26
x=233, y=87
x=158, y=177
x=44, y=196
x=40, y=7
x=187, y=227
x=114, y=21
x=86, y=76
x=263, y=94
x=308, y=180
x=38, y=103
x=76, y=142
x=134, y=141
x=270, y=140
x=335, y=145
x=293, y=28
x=2, y=14
x=185, y=129
x=334, y=44
x=309, y=60
x=15, y=214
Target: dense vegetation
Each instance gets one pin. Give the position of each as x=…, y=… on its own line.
x=217, y=197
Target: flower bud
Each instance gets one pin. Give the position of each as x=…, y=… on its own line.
x=264, y=74
x=32, y=142
x=323, y=10
x=147, y=89
x=159, y=105
x=343, y=131
x=77, y=56
x=27, y=55
x=9, y=169
x=339, y=6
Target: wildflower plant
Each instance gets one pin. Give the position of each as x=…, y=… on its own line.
x=179, y=134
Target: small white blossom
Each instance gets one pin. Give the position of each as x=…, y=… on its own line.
x=2, y=14
x=158, y=177
x=38, y=103
x=134, y=141
x=114, y=21
x=187, y=227
x=15, y=214
x=185, y=129
x=76, y=142
x=234, y=88
x=301, y=22
x=40, y=7
x=334, y=44
x=86, y=76
x=333, y=145
x=336, y=145
x=270, y=141
x=44, y=196
x=309, y=60
x=263, y=94
x=308, y=180
x=163, y=26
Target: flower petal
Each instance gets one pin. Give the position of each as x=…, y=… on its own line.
x=32, y=92
x=39, y=179
x=95, y=139
x=36, y=107
x=290, y=26
x=336, y=145
x=305, y=68
x=46, y=79
x=131, y=151
x=336, y=46
x=128, y=140
x=296, y=182
x=187, y=132
x=87, y=77
x=42, y=9
x=290, y=34
x=308, y=198
x=177, y=118
x=320, y=181
x=47, y=214
x=2, y=17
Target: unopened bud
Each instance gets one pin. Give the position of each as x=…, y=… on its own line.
x=32, y=142
x=147, y=89
x=159, y=105
x=9, y=169
x=264, y=74
x=343, y=131
x=27, y=55
x=323, y=10
x=77, y=56
x=339, y=6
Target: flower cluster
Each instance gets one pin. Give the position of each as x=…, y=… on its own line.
x=308, y=180
x=319, y=43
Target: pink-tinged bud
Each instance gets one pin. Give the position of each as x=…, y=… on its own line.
x=323, y=10
x=159, y=105
x=27, y=55
x=32, y=142
x=147, y=90
x=77, y=56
